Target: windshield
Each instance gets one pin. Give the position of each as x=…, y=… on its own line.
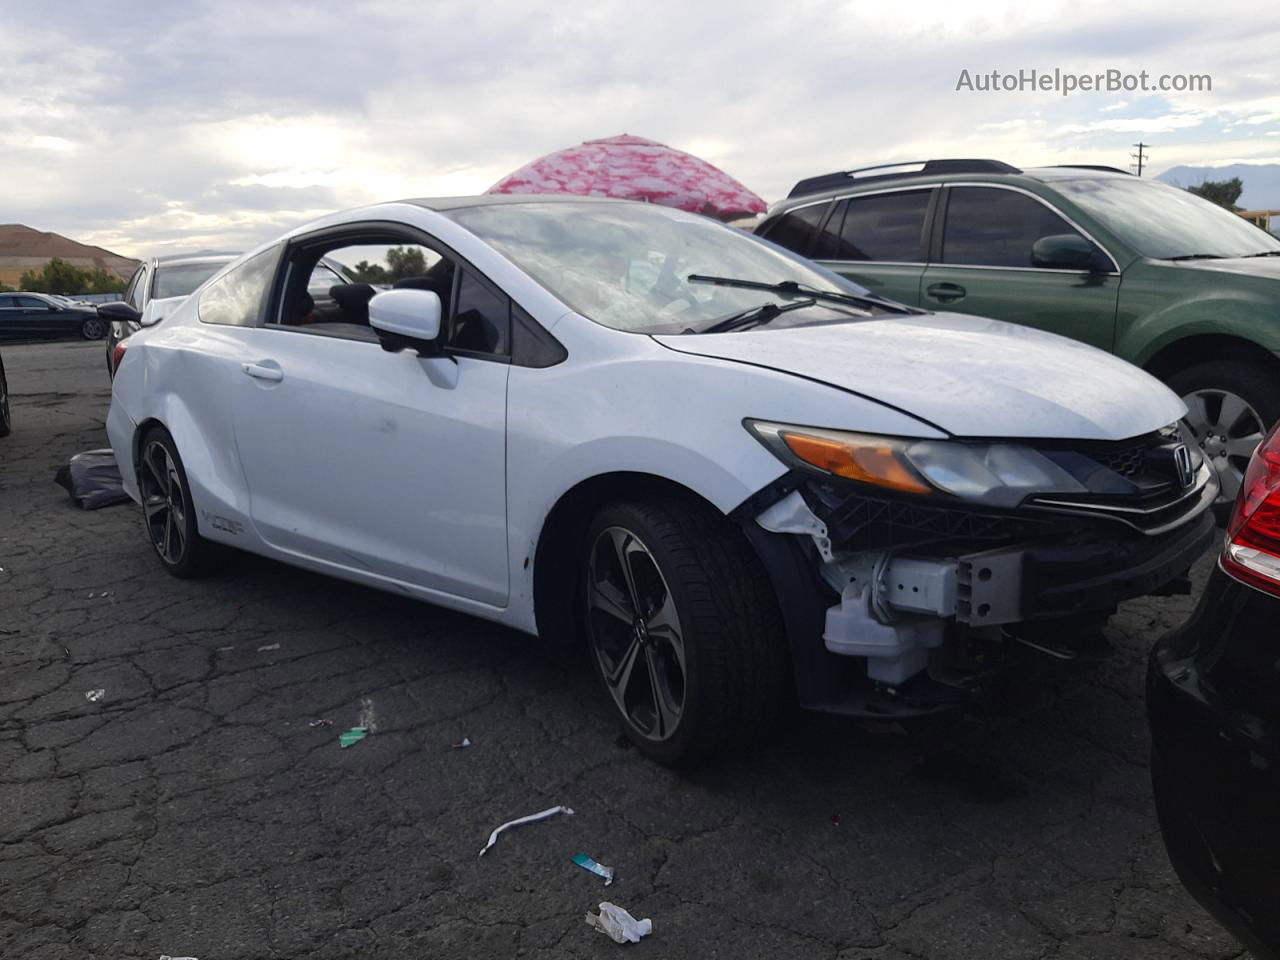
x=181, y=279
x=627, y=265
x=1160, y=221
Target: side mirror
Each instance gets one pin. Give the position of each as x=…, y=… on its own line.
x=407, y=319
x=1063, y=251
x=119, y=310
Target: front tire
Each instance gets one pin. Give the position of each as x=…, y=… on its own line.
x=93, y=328
x=683, y=628
x=168, y=515
x=1230, y=407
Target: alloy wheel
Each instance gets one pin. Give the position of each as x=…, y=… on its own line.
x=635, y=633
x=93, y=329
x=163, y=504
x=1228, y=430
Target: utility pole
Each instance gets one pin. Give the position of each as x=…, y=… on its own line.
x=1140, y=156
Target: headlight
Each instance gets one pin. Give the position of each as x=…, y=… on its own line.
x=995, y=474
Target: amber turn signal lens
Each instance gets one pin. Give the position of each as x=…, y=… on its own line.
x=874, y=463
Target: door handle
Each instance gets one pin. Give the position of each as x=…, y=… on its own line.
x=945, y=292
x=262, y=372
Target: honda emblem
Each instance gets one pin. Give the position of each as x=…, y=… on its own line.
x=1182, y=465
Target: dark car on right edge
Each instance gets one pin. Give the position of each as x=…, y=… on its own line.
x=1213, y=697
x=1156, y=275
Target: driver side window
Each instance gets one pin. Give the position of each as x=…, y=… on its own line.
x=330, y=282
x=993, y=227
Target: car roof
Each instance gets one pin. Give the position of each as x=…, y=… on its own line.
x=188, y=258
x=929, y=172
x=441, y=204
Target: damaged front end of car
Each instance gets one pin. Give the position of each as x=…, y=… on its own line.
x=911, y=571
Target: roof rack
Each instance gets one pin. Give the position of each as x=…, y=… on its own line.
x=1091, y=166
x=834, y=181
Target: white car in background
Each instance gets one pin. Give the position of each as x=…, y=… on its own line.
x=156, y=287
x=160, y=284
x=719, y=465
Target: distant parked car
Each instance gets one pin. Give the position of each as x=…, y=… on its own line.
x=73, y=302
x=6, y=424
x=1213, y=696
x=1160, y=277
x=156, y=287
x=41, y=316
x=162, y=283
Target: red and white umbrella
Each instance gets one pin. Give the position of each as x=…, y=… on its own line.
x=633, y=168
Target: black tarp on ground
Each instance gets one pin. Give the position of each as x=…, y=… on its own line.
x=93, y=479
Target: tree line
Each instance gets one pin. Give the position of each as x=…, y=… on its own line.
x=59, y=276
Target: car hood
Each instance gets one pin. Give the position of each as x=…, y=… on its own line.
x=969, y=376
x=1266, y=267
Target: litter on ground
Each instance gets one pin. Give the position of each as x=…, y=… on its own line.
x=599, y=869
x=531, y=818
x=320, y=723
x=353, y=736
x=93, y=696
x=462, y=744
x=268, y=646
x=617, y=924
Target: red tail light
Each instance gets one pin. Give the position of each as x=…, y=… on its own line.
x=1252, y=553
x=118, y=354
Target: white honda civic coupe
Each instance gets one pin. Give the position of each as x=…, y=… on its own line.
x=724, y=469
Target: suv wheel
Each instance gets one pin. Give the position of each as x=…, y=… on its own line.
x=1230, y=407
x=682, y=626
x=167, y=511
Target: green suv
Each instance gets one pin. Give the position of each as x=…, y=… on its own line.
x=1154, y=274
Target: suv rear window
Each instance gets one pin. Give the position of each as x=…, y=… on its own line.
x=797, y=228
x=888, y=227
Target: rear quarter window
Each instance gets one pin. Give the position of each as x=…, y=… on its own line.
x=796, y=229
x=236, y=298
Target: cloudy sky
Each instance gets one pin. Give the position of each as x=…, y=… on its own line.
x=215, y=124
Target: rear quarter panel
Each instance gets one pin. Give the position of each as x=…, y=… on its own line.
x=179, y=376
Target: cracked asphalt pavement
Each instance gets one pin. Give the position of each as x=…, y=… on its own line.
x=195, y=810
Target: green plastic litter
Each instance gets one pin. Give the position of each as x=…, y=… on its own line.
x=352, y=736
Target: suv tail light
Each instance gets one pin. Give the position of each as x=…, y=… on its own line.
x=1252, y=552
x=118, y=354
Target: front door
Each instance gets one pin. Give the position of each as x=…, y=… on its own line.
x=383, y=463
x=983, y=266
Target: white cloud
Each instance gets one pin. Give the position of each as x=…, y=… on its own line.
x=222, y=126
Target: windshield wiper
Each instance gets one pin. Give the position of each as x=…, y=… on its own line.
x=1264, y=253
x=795, y=289
x=755, y=316
x=1197, y=256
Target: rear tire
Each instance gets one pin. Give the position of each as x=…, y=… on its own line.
x=93, y=328
x=168, y=515
x=695, y=614
x=1231, y=405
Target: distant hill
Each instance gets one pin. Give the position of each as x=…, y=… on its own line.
x=24, y=248
x=1261, y=181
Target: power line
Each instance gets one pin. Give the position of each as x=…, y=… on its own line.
x=1140, y=156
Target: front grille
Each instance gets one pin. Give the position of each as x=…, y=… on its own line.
x=859, y=520
x=1132, y=481
x=1126, y=461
